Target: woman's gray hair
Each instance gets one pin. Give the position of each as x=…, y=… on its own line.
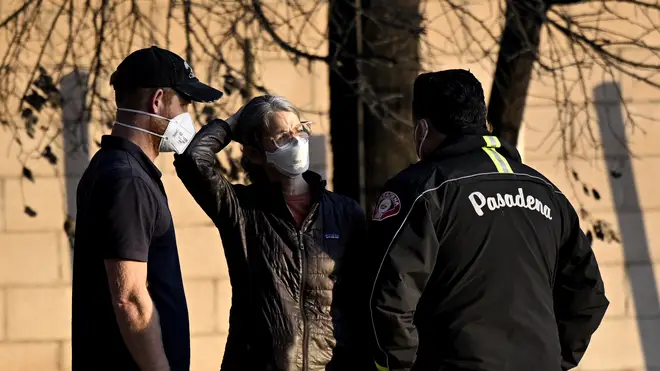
x=256, y=115
x=253, y=122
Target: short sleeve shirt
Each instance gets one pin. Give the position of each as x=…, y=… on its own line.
x=123, y=214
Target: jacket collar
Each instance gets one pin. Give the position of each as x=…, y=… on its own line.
x=454, y=146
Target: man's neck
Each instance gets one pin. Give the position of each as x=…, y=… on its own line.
x=139, y=138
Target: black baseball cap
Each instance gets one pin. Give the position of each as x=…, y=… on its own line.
x=159, y=68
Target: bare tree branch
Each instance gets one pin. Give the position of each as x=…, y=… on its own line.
x=46, y=40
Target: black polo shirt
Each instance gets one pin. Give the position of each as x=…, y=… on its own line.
x=123, y=214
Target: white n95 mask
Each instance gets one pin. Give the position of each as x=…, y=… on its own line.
x=292, y=159
x=177, y=136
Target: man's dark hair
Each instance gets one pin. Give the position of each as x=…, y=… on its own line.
x=136, y=98
x=452, y=100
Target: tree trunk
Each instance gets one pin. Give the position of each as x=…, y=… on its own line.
x=384, y=52
x=519, y=46
x=391, y=47
x=343, y=97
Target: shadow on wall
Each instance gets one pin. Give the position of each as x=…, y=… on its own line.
x=637, y=258
x=75, y=132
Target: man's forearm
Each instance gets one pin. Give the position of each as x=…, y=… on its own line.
x=140, y=327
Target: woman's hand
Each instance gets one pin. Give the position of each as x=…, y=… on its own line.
x=232, y=120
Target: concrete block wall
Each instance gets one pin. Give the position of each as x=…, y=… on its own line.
x=35, y=292
x=35, y=270
x=629, y=336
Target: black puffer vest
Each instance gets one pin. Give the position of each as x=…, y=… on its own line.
x=291, y=302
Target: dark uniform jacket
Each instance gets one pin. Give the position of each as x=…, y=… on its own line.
x=288, y=285
x=480, y=265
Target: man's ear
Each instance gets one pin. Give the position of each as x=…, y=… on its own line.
x=254, y=155
x=157, y=102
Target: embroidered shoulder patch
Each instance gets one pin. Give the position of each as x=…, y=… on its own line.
x=388, y=205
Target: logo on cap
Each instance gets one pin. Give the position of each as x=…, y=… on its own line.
x=191, y=75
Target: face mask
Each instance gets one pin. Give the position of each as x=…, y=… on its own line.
x=418, y=148
x=177, y=136
x=292, y=159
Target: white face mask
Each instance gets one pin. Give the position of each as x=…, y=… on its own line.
x=292, y=159
x=177, y=136
x=418, y=148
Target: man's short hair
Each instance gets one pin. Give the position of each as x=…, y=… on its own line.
x=452, y=100
x=137, y=98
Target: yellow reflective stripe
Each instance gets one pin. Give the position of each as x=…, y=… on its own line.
x=500, y=162
x=381, y=368
x=492, y=141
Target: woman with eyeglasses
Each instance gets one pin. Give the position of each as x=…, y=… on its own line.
x=292, y=247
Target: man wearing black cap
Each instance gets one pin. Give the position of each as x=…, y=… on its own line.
x=480, y=263
x=129, y=306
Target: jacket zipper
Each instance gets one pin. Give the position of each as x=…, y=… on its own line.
x=303, y=276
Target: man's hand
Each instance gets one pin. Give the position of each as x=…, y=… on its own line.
x=136, y=314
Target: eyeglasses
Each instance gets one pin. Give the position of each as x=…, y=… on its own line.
x=301, y=131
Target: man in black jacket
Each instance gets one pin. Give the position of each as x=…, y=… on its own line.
x=480, y=263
